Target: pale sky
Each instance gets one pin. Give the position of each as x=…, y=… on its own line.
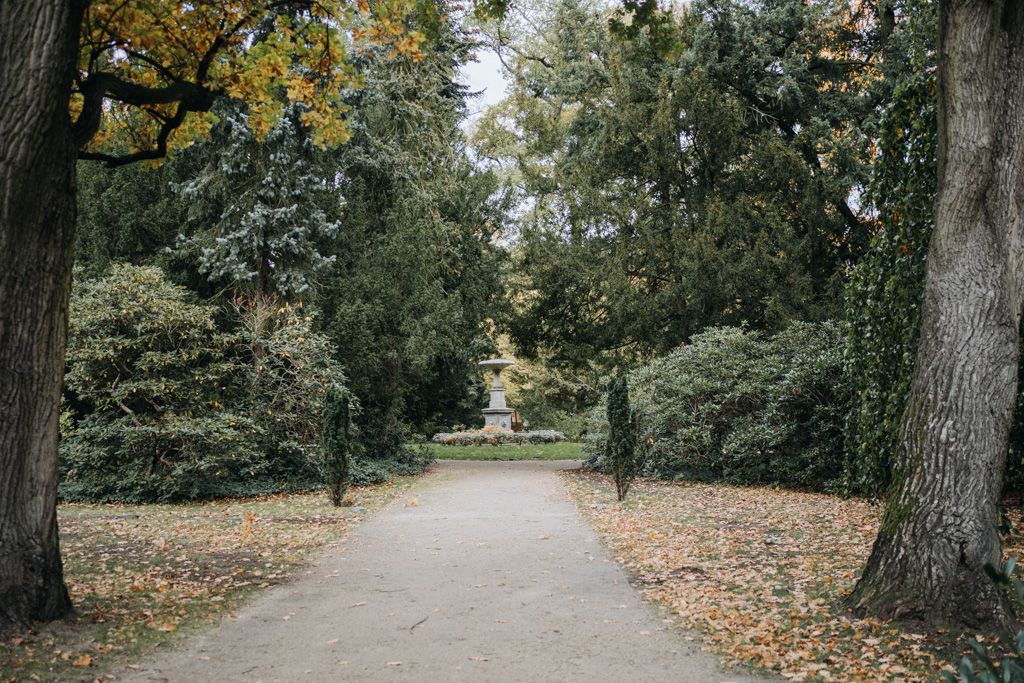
x=484, y=75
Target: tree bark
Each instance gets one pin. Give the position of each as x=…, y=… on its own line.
x=939, y=527
x=38, y=46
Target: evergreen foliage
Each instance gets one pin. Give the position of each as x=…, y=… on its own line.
x=622, y=434
x=417, y=276
x=158, y=375
x=884, y=292
x=178, y=409
x=335, y=443
x=258, y=206
x=742, y=407
x=115, y=226
x=664, y=195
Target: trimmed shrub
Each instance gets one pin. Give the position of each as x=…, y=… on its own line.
x=741, y=407
x=621, y=445
x=335, y=443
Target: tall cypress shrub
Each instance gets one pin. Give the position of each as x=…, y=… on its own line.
x=335, y=443
x=621, y=447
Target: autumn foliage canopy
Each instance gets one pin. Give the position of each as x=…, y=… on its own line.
x=144, y=66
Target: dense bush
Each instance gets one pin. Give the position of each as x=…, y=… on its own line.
x=159, y=376
x=285, y=372
x=409, y=456
x=487, y=438
x=741, y=407
x=179, y=410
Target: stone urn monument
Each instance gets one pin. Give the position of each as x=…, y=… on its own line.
x=497, y=413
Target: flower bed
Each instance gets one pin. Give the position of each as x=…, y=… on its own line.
x=492, y=438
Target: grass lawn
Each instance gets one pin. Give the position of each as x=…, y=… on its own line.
x=139, y=575
x=547, y=451
x=760, y=574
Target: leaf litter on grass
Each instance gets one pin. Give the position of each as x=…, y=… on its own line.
x=760, y=573
x=139, y=573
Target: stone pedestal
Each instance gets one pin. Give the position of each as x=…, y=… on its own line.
x=497, y=413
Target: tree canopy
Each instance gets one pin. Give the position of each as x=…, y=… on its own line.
x=667, y=191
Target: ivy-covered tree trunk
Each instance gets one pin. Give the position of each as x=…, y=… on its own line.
x=38, y=43
x=939, y=526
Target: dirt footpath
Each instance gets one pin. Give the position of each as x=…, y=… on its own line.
x=492, y=576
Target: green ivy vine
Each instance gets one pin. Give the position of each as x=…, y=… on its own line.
x=883, y=296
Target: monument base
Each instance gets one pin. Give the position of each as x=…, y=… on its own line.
x=498, y=417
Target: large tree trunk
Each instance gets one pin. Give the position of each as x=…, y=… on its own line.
x=38, y=41
x=939, y=526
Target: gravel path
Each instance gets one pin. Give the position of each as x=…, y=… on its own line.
x=493, y=576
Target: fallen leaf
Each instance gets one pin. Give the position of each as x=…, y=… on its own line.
x=84, y=660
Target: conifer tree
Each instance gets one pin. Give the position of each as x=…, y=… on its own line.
x=335, y=445
x=621, y=447
x=258, y=207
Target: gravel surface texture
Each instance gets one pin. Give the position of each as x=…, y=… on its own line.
x=489, y=575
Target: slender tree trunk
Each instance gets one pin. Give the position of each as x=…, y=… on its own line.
x=939, y=526
x=38, y=41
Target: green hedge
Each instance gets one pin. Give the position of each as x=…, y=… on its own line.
x=742, y=407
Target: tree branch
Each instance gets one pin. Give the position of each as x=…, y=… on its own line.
x=158, y=152
x=131, y=413
x=189, y=96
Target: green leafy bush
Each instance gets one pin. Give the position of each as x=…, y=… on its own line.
x=159, y=377
x=411, y=457
x=283, y=377
x=741, y=407
x=181, y=410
